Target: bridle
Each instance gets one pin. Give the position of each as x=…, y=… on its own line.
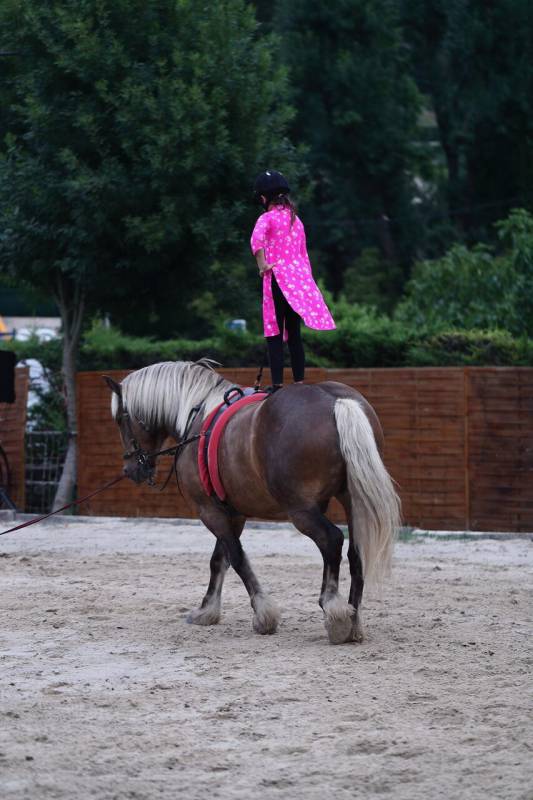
x=135, y=451
x=143, y=457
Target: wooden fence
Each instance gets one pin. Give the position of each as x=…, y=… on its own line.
x=458, y=441
x=12, y=429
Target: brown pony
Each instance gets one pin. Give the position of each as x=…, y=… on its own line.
x=285, y=457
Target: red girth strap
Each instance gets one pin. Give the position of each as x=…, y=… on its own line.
x=209, y=443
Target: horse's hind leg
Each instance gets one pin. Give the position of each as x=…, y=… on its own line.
x=339, y=615
x=228, y=529
x=356, y=572
x=356, y=587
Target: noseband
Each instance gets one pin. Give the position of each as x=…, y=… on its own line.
x=136, y=451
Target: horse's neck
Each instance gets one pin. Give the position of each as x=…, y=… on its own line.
x=214, y=400
x=196, y=407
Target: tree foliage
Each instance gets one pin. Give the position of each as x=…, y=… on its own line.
x=473, y=62
x=478, y=287
x=133, y=133
x=357, y=112
x=130, y=133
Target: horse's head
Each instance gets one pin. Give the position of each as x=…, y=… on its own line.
x=139, y=442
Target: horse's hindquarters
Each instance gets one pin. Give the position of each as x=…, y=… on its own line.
x=283, y=454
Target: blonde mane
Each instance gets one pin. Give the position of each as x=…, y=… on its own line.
x=162, y=395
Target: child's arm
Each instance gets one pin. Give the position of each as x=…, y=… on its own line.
x=258, y=242
x=261, y=262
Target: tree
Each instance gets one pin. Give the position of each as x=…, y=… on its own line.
x=477, y=288
x=358, y=110
x=132, y=130
x=473, y=61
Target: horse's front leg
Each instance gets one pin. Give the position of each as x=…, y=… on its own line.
x=209, y=611
x=266, y=612
x=228, y=550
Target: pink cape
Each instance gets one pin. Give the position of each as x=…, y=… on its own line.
x=285, y=246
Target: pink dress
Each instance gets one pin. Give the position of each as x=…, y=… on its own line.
x=285, y=247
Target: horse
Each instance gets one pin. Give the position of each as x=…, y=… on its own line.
x=282, y=458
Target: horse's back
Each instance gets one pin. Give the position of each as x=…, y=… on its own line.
x=296, y=440
x=305, y=413
x=285, y=452
x=302, y=403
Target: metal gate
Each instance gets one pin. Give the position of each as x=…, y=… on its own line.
x=45, y=454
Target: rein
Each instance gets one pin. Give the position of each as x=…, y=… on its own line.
x=64, y=508
x=142, y=459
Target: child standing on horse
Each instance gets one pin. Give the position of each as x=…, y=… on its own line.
x=290, y=294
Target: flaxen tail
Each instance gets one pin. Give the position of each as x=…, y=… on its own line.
x=375, y=504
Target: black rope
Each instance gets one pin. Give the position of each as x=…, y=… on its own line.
x=64, y=508
x=178, y=449
x=259, y=378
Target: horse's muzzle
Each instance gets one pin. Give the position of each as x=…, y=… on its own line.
x=140, y=471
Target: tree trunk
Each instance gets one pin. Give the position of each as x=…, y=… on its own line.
x=451, y=149
x=385, y=238
x=71, y=305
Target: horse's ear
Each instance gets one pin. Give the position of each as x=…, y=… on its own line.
x=113, y=385
x=208, y=363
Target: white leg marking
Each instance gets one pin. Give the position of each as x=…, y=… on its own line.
x=358, y=631
x=339, y=620
x=266, y=616
x=340, y=616
x=208, y=614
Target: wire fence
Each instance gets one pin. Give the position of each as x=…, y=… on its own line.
x=45, y=454
x=5, y=481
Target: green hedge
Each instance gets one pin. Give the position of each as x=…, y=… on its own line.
x=471, y=348
x=368, y=342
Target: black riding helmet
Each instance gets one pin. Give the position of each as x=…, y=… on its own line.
x=270, y=184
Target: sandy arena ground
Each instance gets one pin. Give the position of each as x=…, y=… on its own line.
x=106, y=692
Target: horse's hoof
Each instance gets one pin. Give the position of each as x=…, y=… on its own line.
x=259, y=626
x=339, y=631
x=203, y=616
x=358, y=633
x=341, y=621
x=266, y=616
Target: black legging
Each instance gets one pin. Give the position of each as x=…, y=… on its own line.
x=285, y=316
